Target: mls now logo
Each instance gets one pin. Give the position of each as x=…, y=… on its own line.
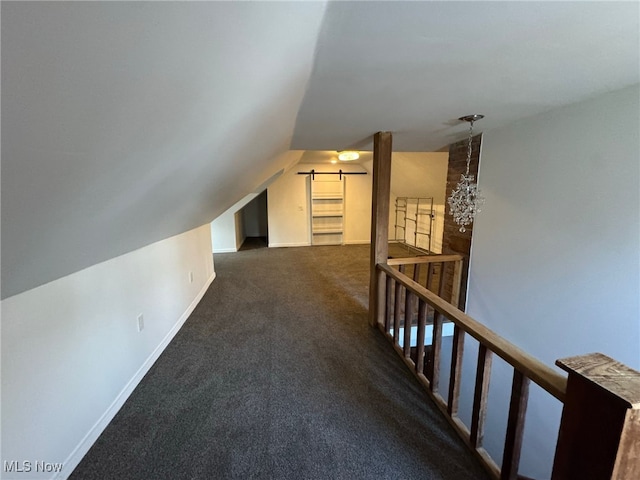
x=26, y=466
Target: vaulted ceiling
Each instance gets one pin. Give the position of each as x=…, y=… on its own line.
x=124, y=123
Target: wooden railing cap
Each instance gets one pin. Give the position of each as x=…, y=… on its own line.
x=604, y=371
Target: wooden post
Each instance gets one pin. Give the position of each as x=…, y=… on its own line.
x=379, y=222
x=600, y=429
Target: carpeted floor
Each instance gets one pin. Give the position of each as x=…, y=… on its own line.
x=276, y=375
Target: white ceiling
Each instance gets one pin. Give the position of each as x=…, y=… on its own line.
x=124, y=123
x=413, y=68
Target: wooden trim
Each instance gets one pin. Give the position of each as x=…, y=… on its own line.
x=481, y=393
x=550, y=380
x=424, y=259
x=515, y=427
x=380, y=197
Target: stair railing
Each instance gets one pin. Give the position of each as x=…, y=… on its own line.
x=409, y=305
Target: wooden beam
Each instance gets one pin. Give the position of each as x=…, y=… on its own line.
x=379, y=222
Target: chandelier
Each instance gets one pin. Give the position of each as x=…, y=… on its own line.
x=465, y=200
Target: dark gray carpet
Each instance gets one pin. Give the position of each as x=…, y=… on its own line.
x=276, y=375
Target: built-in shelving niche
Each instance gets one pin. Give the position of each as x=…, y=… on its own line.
x=327, y=211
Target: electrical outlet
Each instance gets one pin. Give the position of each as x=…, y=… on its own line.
x=140, y=323
x=190, y=277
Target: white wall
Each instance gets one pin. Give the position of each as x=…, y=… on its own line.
x=288, y=202
x=357, y=206
x=288, y=212
x=71, y=351
x=555, y=260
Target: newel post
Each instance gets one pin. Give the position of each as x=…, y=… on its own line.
x=379, y=223
x=600, y=429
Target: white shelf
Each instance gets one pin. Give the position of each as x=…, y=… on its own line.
x=328, y=214
x=327, y=211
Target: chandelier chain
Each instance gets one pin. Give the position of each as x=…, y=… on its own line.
x=469, y=146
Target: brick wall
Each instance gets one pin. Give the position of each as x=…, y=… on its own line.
x=453, y=240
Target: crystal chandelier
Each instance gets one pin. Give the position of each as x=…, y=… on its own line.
x=465, y=200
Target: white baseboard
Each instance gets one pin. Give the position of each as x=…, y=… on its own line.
x=89, y=439
x=303, y=244
x=358, y=242
x=225, y=250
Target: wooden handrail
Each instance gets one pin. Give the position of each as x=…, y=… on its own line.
x=547, y=378
x=424, y=259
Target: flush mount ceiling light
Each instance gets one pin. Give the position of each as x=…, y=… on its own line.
x=348, y=156
x=465, y=200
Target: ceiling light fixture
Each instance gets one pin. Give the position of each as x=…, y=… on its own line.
x=348, y=156
x=465, y=200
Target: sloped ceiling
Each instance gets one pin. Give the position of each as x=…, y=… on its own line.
x=124, y=123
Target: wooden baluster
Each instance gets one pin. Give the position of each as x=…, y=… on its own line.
x=416, y=272
x=443, y=282
x=429, y=280
x=515, y=426
x=422, y=321
x=408, y=316
x=387, y=306
x=416, y=278
x=457, y=283
x=397, y=309
x=456, y=371
x=479, y=412
x=436, y=348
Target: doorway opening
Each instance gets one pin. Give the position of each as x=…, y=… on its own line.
x=255, y=223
